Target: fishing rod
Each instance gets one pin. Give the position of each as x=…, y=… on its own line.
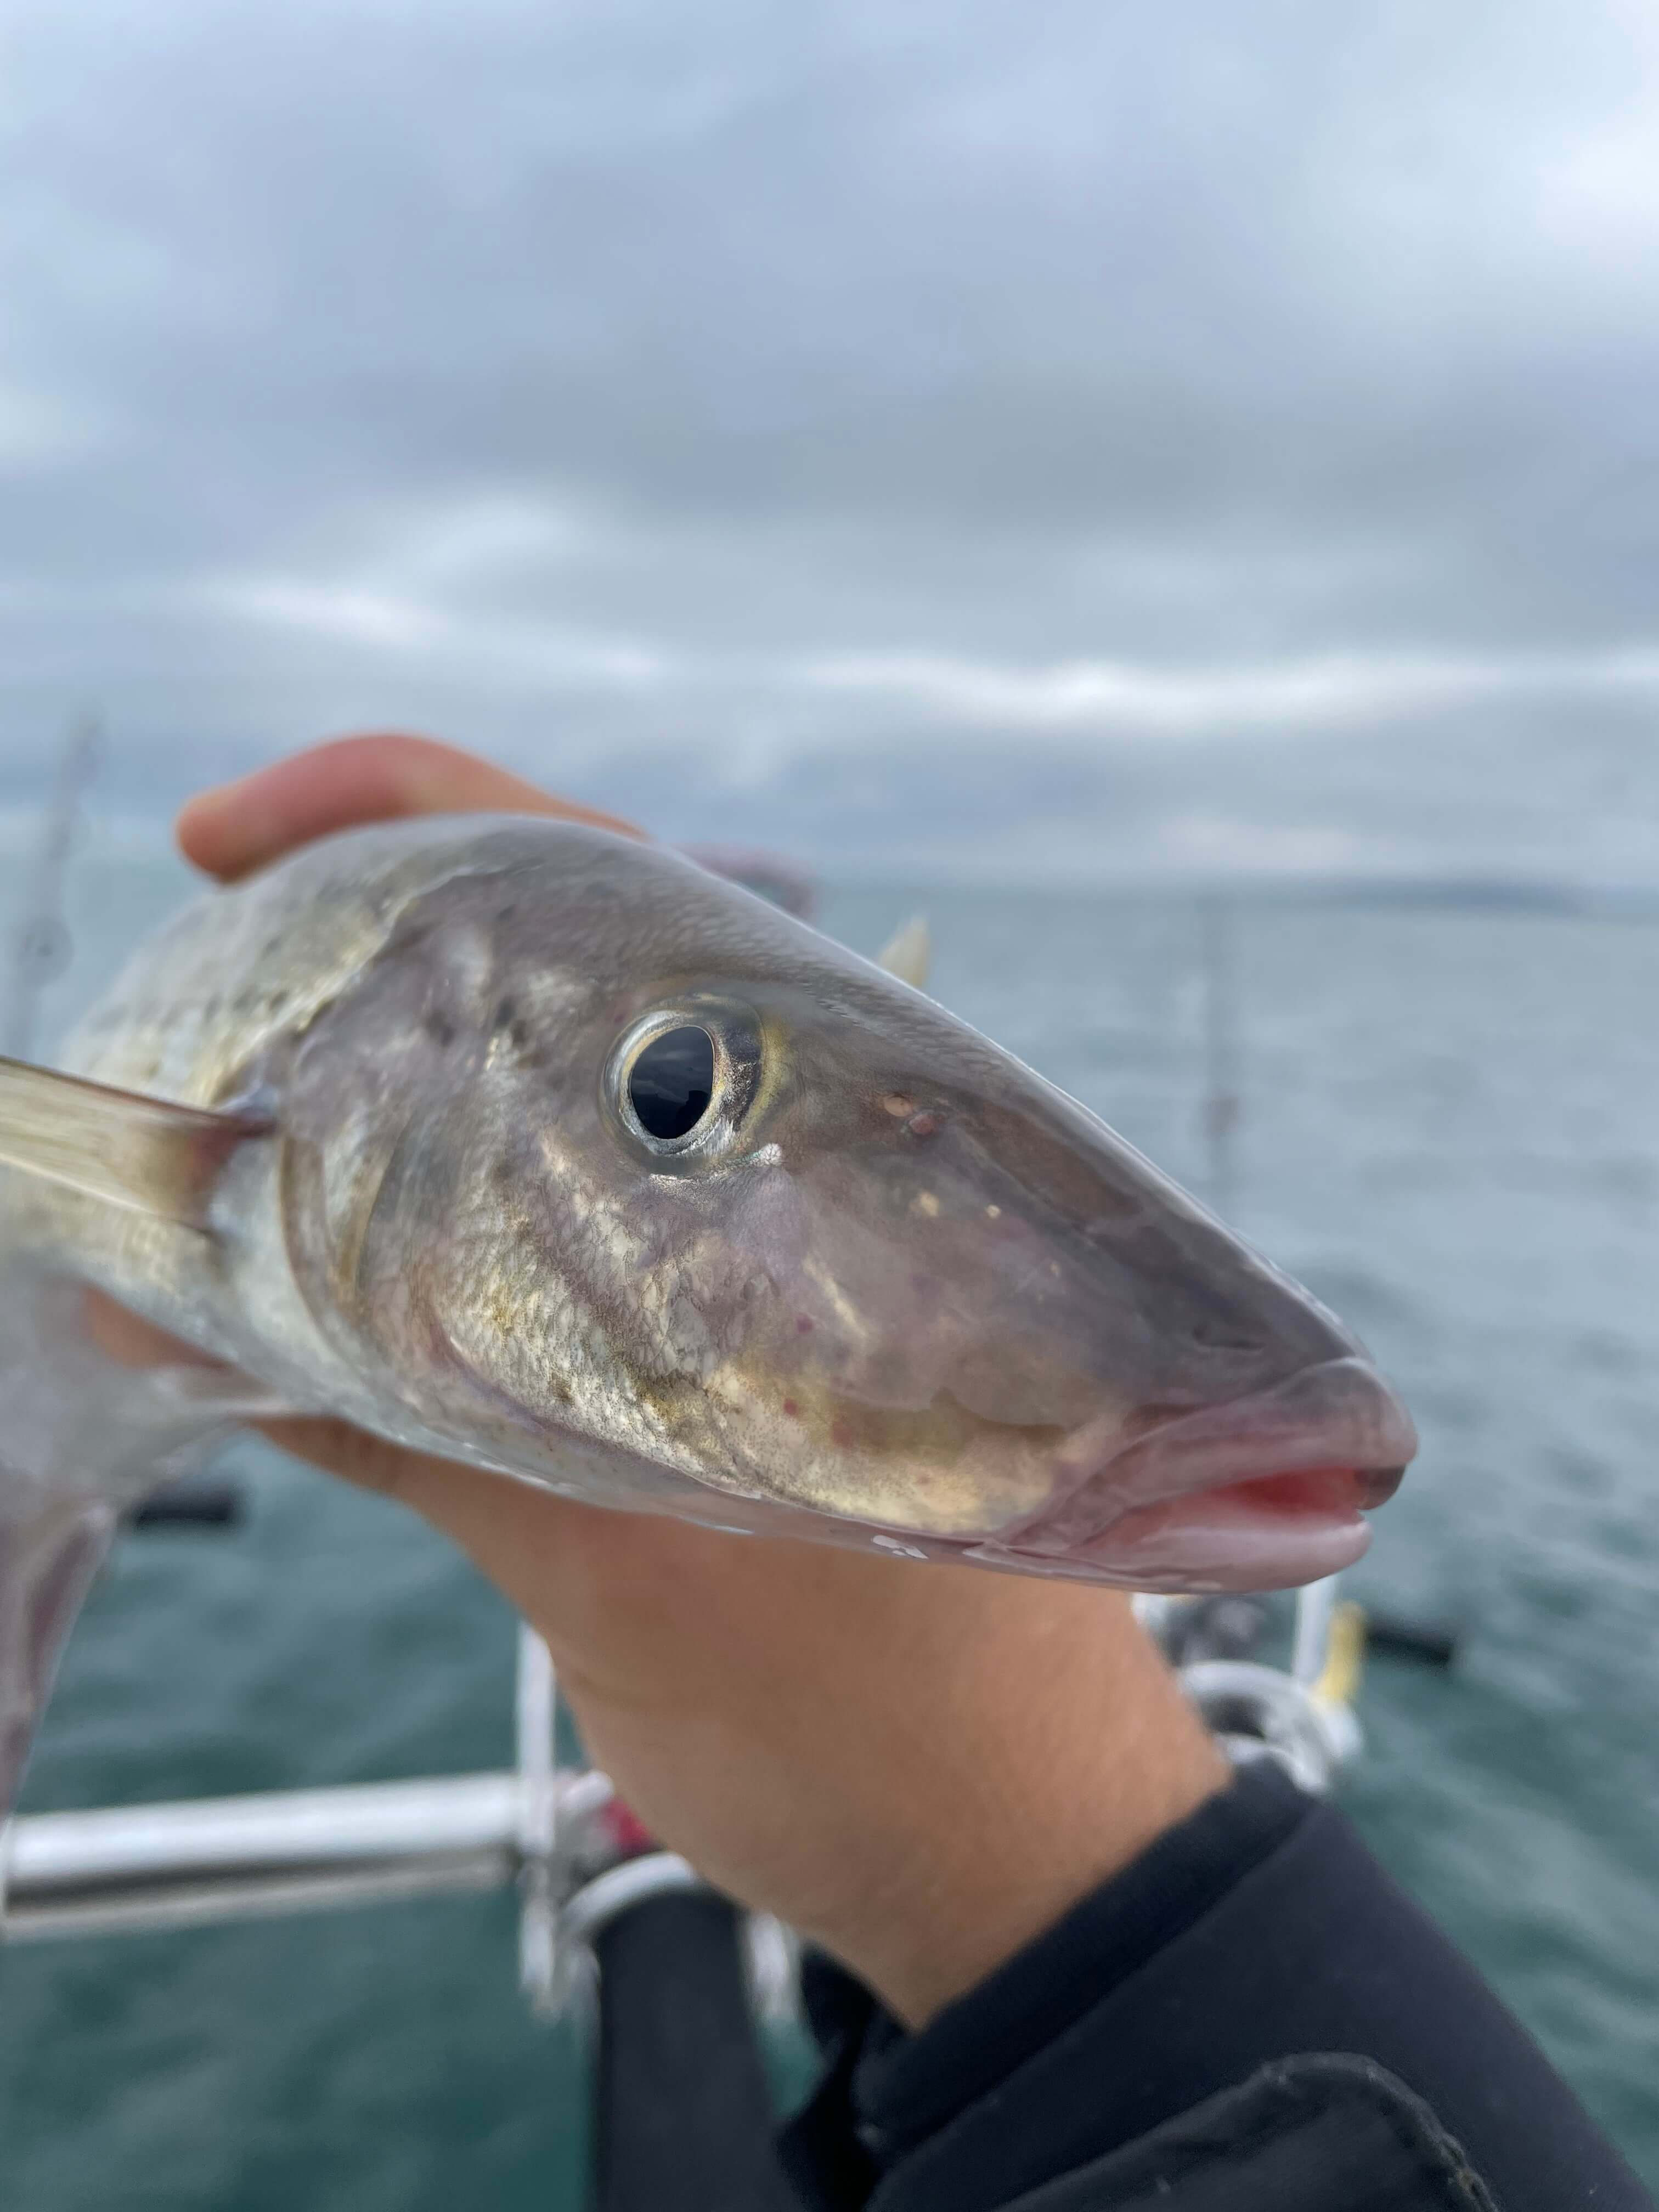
x=41, y=948
x=1302, y=1714
x=1223, y=1104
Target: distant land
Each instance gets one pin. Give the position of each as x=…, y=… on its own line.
x=1506, y=894
x=1475, y=894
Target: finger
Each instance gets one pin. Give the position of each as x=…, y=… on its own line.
x=515, y=1530
x=524, y=1538
x=242, y=826
x=586, y=1575
x=415, y=1479
x=126, y=1338
x=372, y=1463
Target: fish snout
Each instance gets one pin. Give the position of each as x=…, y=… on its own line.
x=1268, y=1490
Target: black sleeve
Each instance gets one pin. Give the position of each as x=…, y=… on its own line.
x=1250, y=1976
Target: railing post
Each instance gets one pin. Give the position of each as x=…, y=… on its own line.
x=537, y=1721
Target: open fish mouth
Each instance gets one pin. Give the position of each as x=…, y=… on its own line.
x=1268, y=1490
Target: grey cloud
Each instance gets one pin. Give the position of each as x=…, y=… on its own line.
x=575, y=380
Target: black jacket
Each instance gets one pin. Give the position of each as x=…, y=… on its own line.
x=1250, y=2018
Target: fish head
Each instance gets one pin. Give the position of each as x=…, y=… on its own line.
x=720, y=1199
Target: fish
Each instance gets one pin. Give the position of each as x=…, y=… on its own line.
x=547, y=1150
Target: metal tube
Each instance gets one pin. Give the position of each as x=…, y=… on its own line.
x=620, y=1888
x=227, y=1858
x=1314, y=1605
x=537, y=1728
x=243, y=1897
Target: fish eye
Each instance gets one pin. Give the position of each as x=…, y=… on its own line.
x=671, y=1082
x=679, y=1082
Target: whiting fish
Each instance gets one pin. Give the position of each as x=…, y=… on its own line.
x=552, y=1152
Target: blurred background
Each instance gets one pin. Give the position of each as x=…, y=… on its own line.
x=1083, y=470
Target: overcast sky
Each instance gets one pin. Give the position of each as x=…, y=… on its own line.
x=1055, y=435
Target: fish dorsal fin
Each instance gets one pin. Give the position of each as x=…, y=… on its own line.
x=908, y=952
x=144, y=1153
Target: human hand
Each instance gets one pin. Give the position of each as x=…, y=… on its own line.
x=918, y=1767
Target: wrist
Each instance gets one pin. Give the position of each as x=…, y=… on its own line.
x=1084, y=1751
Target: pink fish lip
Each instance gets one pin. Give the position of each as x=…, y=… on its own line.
x=1271, y=1485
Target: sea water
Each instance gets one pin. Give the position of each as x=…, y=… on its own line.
x=1450, y=1129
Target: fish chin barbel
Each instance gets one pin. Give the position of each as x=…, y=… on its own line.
x=544, y=1149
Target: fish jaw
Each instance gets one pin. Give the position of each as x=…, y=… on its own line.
x=1266, y=1492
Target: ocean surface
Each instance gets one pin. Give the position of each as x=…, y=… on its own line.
x=1450, y=1130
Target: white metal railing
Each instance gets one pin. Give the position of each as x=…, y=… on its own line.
x=287, y=1851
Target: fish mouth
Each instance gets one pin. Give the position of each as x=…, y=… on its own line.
x=1266, y=1491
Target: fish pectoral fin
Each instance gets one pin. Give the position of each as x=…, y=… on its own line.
x=908, y=952
x=82, y=1438
x=47, y=1564
x=146, y=1154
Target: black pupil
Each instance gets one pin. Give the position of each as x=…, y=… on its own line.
x=671, y=1082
